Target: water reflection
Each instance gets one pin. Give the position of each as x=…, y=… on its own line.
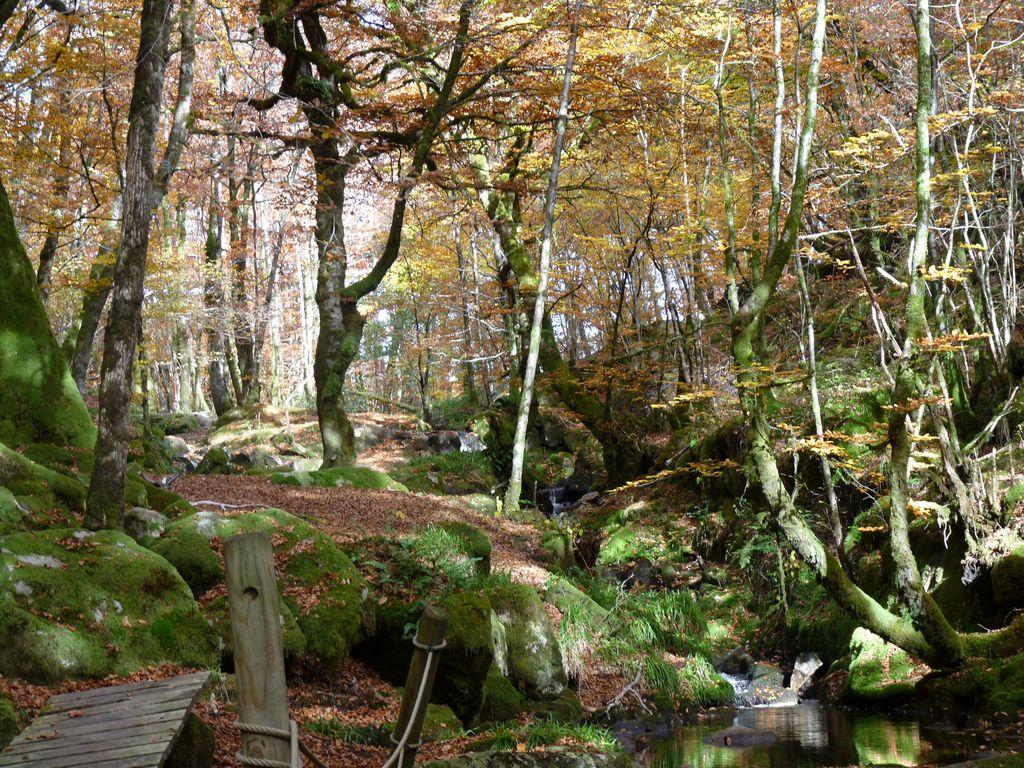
x=810, y=736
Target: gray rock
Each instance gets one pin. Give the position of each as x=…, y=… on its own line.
x=444, y=441
x=141, y=523
x=735, y=662
x=174, y=447
x=767, y=675
x=804, y=669
x=741, y=736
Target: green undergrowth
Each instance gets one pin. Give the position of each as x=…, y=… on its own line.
x=510, y=737
x=449, y=473
x=660, y=634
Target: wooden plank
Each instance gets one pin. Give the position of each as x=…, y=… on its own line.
x=155, y=698
x=78, y=725
x=98, y=695
x=140, y=710
x=129, y=726
x=69, y=760
x=144, y=731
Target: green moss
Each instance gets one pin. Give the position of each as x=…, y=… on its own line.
x=39, y=402
x=80, y=604
x=472, y=541
x=501, y=699
x=879, y=671
x=186, y=544
x=556, y=546
x=564, y=708
x=215, y=462
x=11, y=512
x=452, y=472
x=24, y=477
x=1013, y=497
x=534, y=660
x=320, y=586
x=441, y=724
x=340, y=477
x=10, y=721
x=161, y=499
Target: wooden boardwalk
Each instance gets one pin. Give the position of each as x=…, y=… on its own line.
x=126, y=726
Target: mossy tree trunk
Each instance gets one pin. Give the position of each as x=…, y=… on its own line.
x=39, y=402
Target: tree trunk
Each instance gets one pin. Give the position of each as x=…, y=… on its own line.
x=106, y=490
x=515, y=481
x=39, y=402
x=213, y=304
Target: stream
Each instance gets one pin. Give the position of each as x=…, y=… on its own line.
x=812, y=735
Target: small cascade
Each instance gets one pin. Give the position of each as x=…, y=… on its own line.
x=470, y=442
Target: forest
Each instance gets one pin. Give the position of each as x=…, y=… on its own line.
x=674, y=350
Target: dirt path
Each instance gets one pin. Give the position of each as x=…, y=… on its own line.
x=349, y=514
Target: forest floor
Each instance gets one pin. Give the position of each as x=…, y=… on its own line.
x=357, y=696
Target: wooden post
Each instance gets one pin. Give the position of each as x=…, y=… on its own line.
x=259, y=655
x=429, y=634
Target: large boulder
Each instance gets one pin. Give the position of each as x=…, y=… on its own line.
x=879, y=671
x=340, y=477
x=323, y=590
x=534, y=660
x=1008, y=579
x=76, y=604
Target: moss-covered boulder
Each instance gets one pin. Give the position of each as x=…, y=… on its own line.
x=441, y=724
x=25, y=477
x=556, y=548
x=340, y=477
x=534, y=661
x=878, y=671
x=570, y=600
x=187, y=545
x=321, y=587
x=79, y=604
x=472, y=542
x=481, y=503
x=217, y=461
x=501, y=699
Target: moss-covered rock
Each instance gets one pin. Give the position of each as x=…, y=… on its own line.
x=501, y=699
x=24, y=477
x=324, y=591
x=556, y=548
x=481, y=503
x=450, y=473
x=534, y=661
x=11, y=512
x=80, y=604
x=878, y=671
x=340, y=477
x=441, y=724
x=217, y=461
x=564, y=708
x=194, y=746
x=186, y=544
x=571, y=600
